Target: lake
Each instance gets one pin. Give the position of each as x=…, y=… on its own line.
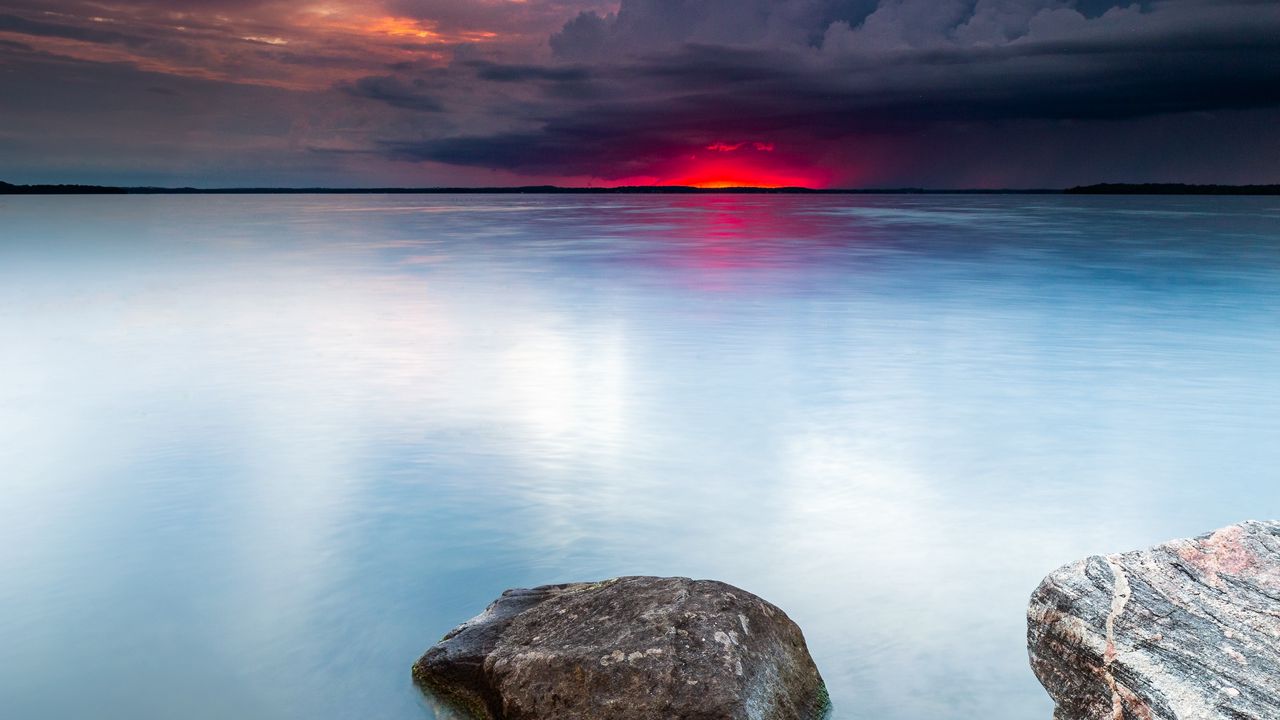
x=260, y=452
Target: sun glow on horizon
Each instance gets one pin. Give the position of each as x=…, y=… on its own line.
x=712, y=180
x=721, y=174
x=722, y=183
x=738, y=164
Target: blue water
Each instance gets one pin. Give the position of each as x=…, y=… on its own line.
x=258, y=453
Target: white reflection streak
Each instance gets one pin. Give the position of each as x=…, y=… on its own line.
x=363, y=362
x=840, y=494
x=565, y=396
x=566, y=400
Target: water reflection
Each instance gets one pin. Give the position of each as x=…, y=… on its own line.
x=260, y=452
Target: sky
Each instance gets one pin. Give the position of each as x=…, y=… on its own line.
x=820, y=93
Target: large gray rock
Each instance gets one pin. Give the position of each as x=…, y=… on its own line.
x=1187, y=630
x=631, y=648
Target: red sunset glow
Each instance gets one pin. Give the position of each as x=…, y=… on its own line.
x=735, y=164
x=721, y=175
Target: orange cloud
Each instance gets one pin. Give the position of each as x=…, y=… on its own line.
x=329, y=19
x=307, y=47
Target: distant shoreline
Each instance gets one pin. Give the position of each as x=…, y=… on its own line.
x=1099, y=189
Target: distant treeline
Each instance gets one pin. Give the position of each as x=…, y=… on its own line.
x=1172, y=189
x=1102, y=189
x=7, y=188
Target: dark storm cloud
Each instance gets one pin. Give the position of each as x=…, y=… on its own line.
x=570, y=146
x=395, y=92
x=897, y=69
x=523, y=73
x=651, y=25
x=35, y=28
x=702, y=94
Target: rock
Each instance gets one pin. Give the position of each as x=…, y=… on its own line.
x=1187, y=630
x=630, y=648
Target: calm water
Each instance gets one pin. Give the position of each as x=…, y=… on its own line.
x=260, y=452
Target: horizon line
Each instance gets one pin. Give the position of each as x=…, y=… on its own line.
x=1096, y=189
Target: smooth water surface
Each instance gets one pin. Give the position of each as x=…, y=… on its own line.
x=259, y=452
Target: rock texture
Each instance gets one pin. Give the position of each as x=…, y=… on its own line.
x=631, y=648
x=1187, y=630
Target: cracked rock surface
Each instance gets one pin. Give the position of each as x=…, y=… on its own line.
x=630, y=648
x=1187, y=630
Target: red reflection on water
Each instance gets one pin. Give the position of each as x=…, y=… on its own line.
x=725, y=242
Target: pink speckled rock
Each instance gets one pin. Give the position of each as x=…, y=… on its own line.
x=1187, y=630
